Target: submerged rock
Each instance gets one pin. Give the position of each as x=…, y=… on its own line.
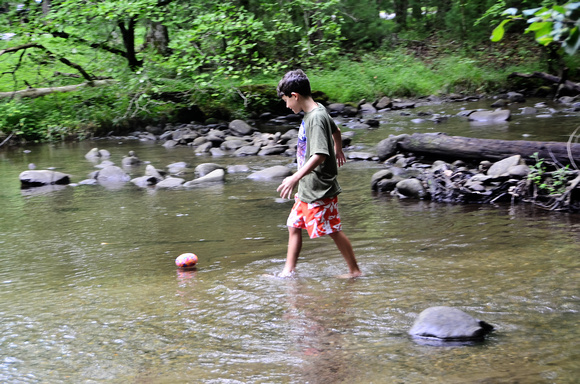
x=238, y=168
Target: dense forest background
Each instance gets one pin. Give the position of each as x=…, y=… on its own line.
x=78, y=68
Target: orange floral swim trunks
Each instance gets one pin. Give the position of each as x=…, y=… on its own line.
x=318, y=218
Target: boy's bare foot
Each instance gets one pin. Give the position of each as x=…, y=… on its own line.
x=285, y=273
x=281, y=275
x=352, y=275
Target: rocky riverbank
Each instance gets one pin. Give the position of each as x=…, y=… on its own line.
x=406, y=175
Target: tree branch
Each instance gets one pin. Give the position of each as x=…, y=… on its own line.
x=102, y=46
x=63, y=60
x=8, y=138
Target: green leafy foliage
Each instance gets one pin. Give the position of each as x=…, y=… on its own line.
x=217, y=55
x=551, y=183
x=559, y=24
x=18, y=118
x=224, y=43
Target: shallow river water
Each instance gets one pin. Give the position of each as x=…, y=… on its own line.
x=90, y=293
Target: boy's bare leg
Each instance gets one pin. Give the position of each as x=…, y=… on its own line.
x=294, y=248
x=345, y=247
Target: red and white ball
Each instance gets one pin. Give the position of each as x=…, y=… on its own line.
x=186, y=260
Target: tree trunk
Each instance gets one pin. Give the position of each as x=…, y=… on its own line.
x=46, y=4
x=471, y=149
x=158, y=38
x=416, y=12
x=443, y=7
x=401, y=12
x=128, y=34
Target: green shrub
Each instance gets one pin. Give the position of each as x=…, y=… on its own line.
x=20, y=118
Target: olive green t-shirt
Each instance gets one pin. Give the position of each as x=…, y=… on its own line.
x=315, y=137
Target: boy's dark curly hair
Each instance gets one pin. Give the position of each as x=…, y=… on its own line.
x=294, y=81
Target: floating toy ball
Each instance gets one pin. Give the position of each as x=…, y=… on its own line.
x=186, y=260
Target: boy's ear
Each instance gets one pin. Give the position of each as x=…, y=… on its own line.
x=295, y=95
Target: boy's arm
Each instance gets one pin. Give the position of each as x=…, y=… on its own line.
x=290, y=182
x=340, y=158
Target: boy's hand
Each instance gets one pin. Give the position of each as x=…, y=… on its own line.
x=340, y=158
x=287, y=187
x=290, y=182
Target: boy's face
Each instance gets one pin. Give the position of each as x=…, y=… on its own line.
x=292, y=102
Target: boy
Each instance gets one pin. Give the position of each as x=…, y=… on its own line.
x=319, y=154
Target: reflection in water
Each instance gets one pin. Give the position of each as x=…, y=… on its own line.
x=317, y=322
x=42, y=190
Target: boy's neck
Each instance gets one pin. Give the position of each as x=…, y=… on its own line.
x=308, y=104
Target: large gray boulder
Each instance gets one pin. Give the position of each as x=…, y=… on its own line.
x=384, y=102
x=216, y=176
x=387, y=179
x=96, y=154
x=240, y=128
x=104, y=164
x=367, y=108
x=388, y=147
x=289, y=135
x=411, y=188
x=272, y=150
x=502, y=167
x=233, y=144
x=131, y=160
x=206, y=168
x=112, y=174
x=204, y=148
x=355, y=155
x=170, y=182
x=176, y=168
x=275, y=172
x=490, y=117
x=145, y=181
x=335, y=108
x=33, y=178
x=247, y=150
x=449, y=324
x=151, y=171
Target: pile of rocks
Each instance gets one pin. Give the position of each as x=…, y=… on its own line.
x=505, y=180
x=238, y=138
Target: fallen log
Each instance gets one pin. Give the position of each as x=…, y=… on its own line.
x=569, y=85
x=440, y=145
x=38, y=92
